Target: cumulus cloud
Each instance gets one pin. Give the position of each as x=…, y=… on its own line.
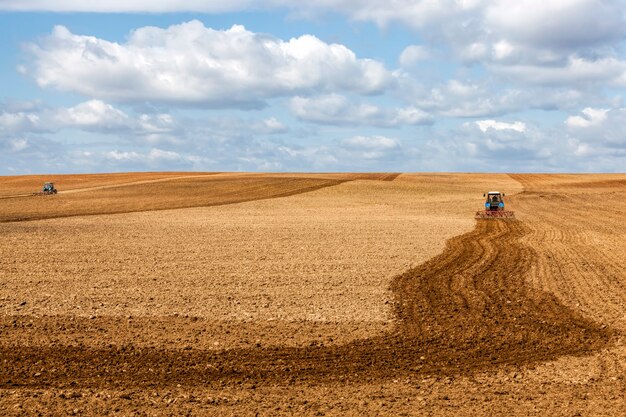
x=271, y=126
x=120, y=6
x=514, y=141
x=552, y=35
x=553, y=42
x=93, y=116
x=547, y=42
x=557, y=24
x=139, y=159
x=336, y=109
x=153, y=155
x=19, y=122
x=488, y=98
x=456, y=98
x=90, y=115
x=412, y=12
x=589, y=117
x=412, y=55
x=549, y=22
x=370, y=142
x=554, y=54
x=468, y=147
x=598, y=128
x=370, y=148
x=18, y=145
x=485, y=125
x=574, y=70
x=190, y=63
x=507, y=147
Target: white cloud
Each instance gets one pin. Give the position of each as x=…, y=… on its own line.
x=411, y=12
x=319, y=157
x=504, y=148
x=92, y=115
x=580, y=149
x=485, y=125
x=18, y=145
x=557, y=23
x=548, y=23
x=412, y=55
x=190, y=63
x=554, y=54
x=336, y=109
x=474, y=26
x=123, y=156
x=123, y=6
x=154, y=155
x=18, y=122
x=502, y=50
x=473, y=52
x=457, y=98
x=158, y=128
x=271, y=126
x=489, y=98
x=599, y=128
x=371, y=142
x=573, y=71
x=371, y=148
x=552, y=41
x=589, y=117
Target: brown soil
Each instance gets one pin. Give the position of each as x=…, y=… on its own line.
x=136, y=194
x=466, y=309
x=520, y=317
x=28, y=184
x=326, y=256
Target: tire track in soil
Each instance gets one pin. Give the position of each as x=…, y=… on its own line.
x=467, y=309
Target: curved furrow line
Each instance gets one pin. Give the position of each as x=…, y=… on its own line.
x=606, y=304
x=579, y=243
x=578, y=231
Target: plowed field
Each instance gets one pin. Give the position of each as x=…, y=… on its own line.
x=353, y=294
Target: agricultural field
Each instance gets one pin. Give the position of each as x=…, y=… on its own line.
x=312, y=294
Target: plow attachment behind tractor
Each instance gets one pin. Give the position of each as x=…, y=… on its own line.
x=495, y=214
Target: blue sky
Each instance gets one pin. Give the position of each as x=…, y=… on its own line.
x=361, y=85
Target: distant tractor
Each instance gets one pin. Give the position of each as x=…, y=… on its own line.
x=494, y=207
x=48, y=189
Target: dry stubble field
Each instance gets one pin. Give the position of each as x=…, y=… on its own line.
x=236, y=294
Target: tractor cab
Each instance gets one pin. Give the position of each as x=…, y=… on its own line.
x=48, y=188
x=494, y=200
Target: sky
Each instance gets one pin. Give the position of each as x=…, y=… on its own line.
x=275, y=85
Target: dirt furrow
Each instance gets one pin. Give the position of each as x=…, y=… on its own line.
x=577, y=228
x=464, y=310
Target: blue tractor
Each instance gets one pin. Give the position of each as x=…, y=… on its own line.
x=494, y=207
x=48, y=188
